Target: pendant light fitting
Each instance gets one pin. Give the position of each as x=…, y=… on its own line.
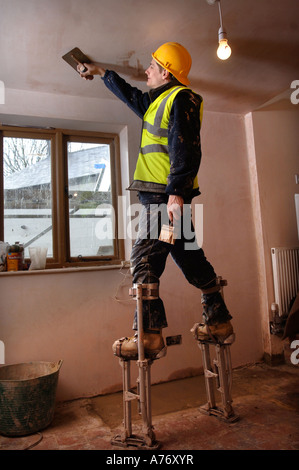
x=224, y=50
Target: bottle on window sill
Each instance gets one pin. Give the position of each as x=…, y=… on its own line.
x=15, y=257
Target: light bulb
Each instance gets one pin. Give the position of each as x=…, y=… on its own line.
x=223, y=51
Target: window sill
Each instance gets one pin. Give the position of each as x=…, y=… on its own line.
x=61, y=270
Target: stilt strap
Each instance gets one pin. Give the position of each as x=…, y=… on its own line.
x=149, y=291
x=118, y=348
x=226, y=341
x=219, y=284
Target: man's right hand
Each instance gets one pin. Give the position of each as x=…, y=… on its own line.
x=175, y=207
x=92, y=69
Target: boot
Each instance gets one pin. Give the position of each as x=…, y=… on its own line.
x=218, y=332
x=214, y=308
x=154, y=346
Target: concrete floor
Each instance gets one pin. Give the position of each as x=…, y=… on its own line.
x=266, y=399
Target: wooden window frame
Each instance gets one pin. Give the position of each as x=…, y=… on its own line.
x=59, y=177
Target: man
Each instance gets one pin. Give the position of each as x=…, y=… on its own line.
x=166, y=176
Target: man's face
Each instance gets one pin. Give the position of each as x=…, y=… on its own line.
x=155, y=77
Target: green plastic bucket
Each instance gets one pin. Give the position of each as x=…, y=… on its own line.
x=27, y=397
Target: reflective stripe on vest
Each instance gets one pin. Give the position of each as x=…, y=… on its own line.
x=153, y=164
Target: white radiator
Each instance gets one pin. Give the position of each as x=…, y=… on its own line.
x=285, y=264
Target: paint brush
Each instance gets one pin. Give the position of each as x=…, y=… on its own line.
x=167, y=234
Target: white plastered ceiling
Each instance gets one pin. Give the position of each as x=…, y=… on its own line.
x=263, y=34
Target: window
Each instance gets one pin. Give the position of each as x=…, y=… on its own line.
x=60, y=191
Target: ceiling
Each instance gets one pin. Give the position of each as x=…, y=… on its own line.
x=263, y=34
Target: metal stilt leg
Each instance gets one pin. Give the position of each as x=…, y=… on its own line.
x=127, y=397
x=217, y=374
x=147, y=440
x=209, y=375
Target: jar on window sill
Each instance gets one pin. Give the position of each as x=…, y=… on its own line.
x=15, y=257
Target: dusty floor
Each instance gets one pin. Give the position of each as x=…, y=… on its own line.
x=266, y=399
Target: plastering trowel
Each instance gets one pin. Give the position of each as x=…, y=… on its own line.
x=75, y=57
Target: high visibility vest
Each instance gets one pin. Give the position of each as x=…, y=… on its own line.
x=153, y=164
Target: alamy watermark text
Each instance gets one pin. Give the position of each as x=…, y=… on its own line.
x=295, y=93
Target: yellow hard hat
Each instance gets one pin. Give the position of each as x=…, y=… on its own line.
x=174, y=58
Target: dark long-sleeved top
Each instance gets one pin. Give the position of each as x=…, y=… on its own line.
x=183, y=130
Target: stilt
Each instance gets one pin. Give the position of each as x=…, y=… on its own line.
x=146, y=440
x=127, y=438
x=218, y=373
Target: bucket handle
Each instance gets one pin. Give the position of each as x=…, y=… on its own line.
x=59, y=363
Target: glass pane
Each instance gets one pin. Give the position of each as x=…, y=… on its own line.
x=90, y=214
x=28, y=193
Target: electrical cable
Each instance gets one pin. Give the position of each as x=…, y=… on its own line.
x=35, y=443
x=122, y=283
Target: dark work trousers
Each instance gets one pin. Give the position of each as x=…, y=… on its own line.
x=149, y=255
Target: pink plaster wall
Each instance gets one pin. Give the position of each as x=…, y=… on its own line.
x=74, y=316
x=273, y=159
